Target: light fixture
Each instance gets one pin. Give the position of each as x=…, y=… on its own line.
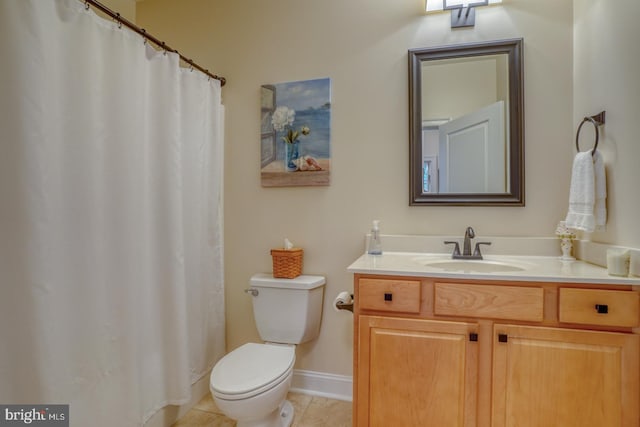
x=463, y=13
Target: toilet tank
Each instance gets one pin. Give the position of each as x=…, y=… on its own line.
x=288, y=311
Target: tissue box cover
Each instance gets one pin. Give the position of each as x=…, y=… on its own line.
x=287, y=263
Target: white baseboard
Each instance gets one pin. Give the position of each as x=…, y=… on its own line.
x=322, y=384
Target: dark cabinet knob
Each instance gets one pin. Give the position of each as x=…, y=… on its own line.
x=602, y=308
x=388, y=296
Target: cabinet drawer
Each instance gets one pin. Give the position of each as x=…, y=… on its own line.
x=402, y=296
x=599, y=307
x=495, y=302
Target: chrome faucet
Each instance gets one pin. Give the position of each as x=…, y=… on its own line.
x=466, y=246
x=468, y=235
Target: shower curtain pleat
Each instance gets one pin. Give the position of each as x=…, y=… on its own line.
x=110, y=217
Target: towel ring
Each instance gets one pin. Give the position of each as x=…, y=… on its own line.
x=597, y=120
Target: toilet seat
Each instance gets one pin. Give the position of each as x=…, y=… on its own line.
x=251, y=369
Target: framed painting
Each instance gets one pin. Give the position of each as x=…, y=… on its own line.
x=295, y=135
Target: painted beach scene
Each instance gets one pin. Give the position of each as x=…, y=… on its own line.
x=295, y=137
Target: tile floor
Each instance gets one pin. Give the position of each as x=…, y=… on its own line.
x=310, y=411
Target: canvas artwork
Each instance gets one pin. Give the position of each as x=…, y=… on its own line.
x=295, y=135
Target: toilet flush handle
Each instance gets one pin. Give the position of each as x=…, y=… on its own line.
x=252, y=291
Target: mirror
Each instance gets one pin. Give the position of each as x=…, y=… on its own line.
x=466, y=123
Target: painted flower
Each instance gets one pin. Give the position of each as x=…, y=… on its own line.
x=283, y=118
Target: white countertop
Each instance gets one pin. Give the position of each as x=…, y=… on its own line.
x=534, y=268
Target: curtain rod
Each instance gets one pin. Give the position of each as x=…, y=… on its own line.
x=149, y=37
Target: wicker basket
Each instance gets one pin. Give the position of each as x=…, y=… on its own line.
x=287, y=263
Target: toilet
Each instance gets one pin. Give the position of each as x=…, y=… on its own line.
x=250, y=384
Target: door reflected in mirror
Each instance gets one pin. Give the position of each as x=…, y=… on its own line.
x=466, y=124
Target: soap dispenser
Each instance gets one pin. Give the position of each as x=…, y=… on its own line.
x=374, y=246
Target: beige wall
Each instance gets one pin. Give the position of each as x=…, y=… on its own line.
x=126, y=8
x=607, y=77
x=362, y=46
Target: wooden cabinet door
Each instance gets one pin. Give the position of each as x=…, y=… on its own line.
x=557, y=377
x=414, y=372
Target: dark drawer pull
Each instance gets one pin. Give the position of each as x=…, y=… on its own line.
x=388, y=296
x=602, y=308
x=473, y=337
x=503, y=338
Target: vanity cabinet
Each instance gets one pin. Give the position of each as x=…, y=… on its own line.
x=417, y=372
x=564, y=377
x=448, y=352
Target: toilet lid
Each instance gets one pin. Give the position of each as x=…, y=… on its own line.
x=250, y=367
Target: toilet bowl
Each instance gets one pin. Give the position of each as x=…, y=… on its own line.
x=250, y=384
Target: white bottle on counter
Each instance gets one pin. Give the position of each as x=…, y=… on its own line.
x=374, y=246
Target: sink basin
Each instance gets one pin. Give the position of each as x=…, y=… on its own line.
x=472, y=266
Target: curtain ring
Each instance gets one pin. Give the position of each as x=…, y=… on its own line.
x=595, y=125
x=87, y=6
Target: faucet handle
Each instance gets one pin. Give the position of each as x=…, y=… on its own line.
x=456, y=249
x=476, y=252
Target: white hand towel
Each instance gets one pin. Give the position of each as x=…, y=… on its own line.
x=600, y=208
x=587, y=193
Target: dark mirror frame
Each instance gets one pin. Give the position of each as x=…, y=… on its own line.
x=513, y=48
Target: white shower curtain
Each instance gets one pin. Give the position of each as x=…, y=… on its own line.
x=110, y=217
